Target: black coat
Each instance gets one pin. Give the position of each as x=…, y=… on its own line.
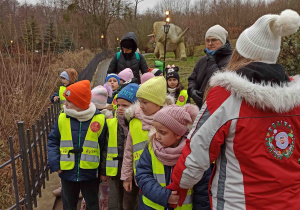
x=116, y=66
x=204, y=69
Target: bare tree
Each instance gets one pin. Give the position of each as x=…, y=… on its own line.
x=135, y=7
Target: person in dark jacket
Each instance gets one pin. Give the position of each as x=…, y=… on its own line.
x=75, y=144
x=218, y=52
x=128, y=58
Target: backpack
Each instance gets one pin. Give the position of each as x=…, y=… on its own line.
x=137, y=55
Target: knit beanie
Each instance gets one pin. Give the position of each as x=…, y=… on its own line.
x=154, y=90
x=112, y=75
x=217, y=31
x=126, y=74
x=146, y=77
x=65, y=75
x=155, y=71
x=72, y=75
x=100, y=94
x=177, y=118
x=79, y=94
x=262, y=40
x=172, y=73
x=129, y=92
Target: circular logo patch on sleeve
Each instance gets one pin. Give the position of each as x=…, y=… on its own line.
x=181, y=98
x=280, y=140
x=95, y=127
x=115, y=101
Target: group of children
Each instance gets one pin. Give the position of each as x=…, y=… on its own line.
x=130, y=133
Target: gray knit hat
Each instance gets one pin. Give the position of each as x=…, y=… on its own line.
x=217, y=31
x=262, y=40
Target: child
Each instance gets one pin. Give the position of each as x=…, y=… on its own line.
x=156, y=72
x=113, y=81
x=74, y=145
x=172, y=124
x=152, y=96
x=125, y=75
x=99, y=98
x=175, y=88
x=118, y=131
x=68, y=77
x=145, y=77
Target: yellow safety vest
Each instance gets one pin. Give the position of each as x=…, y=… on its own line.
x=114, y=102
x=112, y=148
x=182, y=98
x=62, y=99
x=139, y=140
x=90, y=155
x=159, y=174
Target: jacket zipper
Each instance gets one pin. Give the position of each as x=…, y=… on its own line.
x=79, y=153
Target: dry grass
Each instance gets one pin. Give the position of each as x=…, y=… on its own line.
x=27, y=82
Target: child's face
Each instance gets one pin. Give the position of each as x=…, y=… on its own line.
x=172, y=82
x=148, y=107
x=70, y=105
x=122, y=105
x=122, y=82
x=165, y=136
x=113, y=83
x=65, y=81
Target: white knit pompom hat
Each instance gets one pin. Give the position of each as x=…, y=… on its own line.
x=262, y=40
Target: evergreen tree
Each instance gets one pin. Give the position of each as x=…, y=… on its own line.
x=31, y=35
x=50, y=38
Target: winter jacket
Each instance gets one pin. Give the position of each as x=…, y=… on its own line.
x=177, y=93
x=117, y=65
x=54, y=152
x=204, y=69
x=250, y=129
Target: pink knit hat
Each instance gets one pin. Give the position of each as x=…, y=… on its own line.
x=177, y=118
x=146, y=76
x=100, y=94
x=126, y=74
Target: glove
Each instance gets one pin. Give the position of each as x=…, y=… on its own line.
x=196, y=96
x=181, y=192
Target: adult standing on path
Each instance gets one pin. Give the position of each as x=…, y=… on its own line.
x=249, y=125
x=128, y=58
x=218, y=52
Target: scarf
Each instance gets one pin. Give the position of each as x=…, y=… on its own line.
x=122, y=121
x=169, y=155
x=207, y=51
x=172, y=90
x=146, y=120
x=83, y=115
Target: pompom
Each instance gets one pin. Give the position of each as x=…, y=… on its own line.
x=287, y=23
x=109, y=89
x=192, y=109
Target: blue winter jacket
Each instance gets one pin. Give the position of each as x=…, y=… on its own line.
x=160, y=195
x=76, y=174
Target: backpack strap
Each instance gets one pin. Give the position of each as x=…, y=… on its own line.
x=137, y=55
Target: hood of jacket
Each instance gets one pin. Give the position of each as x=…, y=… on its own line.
x=130, y=36
x=264, y=94
x=226, y=49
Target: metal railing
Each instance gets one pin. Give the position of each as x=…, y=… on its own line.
x=33, y=155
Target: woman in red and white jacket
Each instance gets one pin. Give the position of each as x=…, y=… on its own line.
x=249, y=125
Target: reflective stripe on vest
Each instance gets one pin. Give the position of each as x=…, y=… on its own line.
x=182, y=98
x=114, y=102
x=139, y=140
x=159, y=174
x=90, y=156
x=112, y=148
x=62, y=99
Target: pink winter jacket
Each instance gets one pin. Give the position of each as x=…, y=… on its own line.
x=127, y=166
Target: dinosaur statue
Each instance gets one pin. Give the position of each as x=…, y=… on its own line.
x=175, y=41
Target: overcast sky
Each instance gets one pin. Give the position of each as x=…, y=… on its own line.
x=141, y=7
